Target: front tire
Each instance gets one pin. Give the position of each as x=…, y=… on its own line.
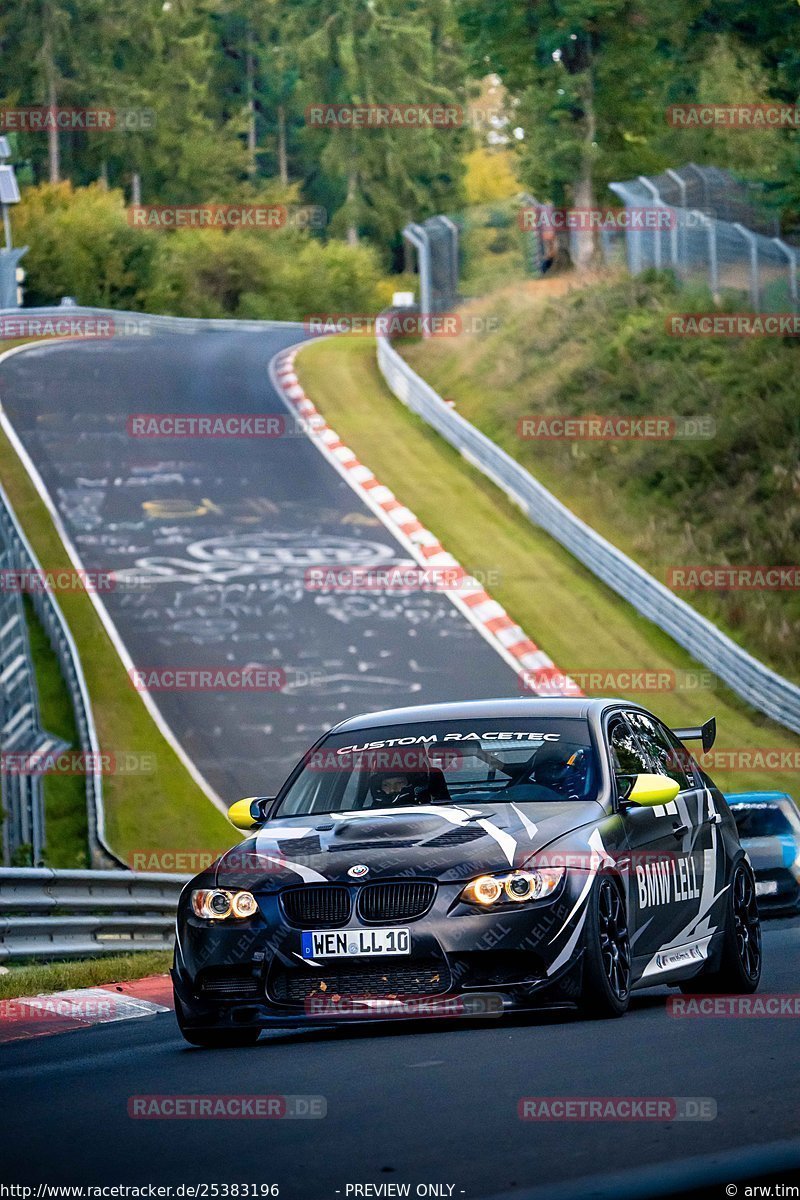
x=606, y=987
x=739, y=970
x=213, y=1038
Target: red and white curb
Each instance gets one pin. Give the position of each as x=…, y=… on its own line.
x=489, y=618
x=60, y=1012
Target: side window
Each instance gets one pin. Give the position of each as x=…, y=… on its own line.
x=627, y=757
x=681, y=755
x=668, y=759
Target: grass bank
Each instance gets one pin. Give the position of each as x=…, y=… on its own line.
x=92, y=972
x=726, y=493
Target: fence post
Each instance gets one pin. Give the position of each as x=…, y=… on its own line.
x=792, y=257
x=452, y=228
x=681, y=265
x=420, y=241
x=750, y=238
x=653, y=190
x=713, y=262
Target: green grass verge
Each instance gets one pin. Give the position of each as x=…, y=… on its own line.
x=91, y=972
x=578, y=621
x=66, y=818
x=156, y=811
x=732, y=498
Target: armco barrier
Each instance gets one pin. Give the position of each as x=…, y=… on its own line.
x=129, y=324
x=60, y=638
x=767, y=691
x=80, y=914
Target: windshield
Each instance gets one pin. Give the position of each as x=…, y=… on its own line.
x=455, y=762
x=761, y=820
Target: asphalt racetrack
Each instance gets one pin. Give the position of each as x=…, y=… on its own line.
x=434, y=1104
x=211, y=539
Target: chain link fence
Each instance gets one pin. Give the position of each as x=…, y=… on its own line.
x=714, y=231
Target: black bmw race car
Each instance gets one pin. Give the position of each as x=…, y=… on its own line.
x=471, y=858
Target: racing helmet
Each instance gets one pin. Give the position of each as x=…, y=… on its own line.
x=408, y=787
x=561, y=768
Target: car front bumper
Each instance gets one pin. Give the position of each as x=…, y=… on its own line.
x=463, y=962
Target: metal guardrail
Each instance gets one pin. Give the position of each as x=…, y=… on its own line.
x=21, y=732
x=79, y=914
x=767, y=691
x=121, y=323
x=58, y=633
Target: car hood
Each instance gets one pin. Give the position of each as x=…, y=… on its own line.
x=435, y=841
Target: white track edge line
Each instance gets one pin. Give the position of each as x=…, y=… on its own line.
x=160, y=721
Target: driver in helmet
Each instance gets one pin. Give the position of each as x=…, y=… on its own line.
x=561, y=769
x=390, y=787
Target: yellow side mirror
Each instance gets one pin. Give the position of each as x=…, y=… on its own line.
x=650, y=790
x=242, y=813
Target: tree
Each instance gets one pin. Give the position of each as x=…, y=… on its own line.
x=40, y=49
x=591, y=77
x=371, y=52
x=159, y=57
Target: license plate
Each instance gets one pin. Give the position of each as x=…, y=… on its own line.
x=767, y=887
x=355, y=943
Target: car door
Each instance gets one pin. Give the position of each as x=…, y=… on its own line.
x=686, y=818
x=650, y=844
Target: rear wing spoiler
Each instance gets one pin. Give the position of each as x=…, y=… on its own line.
x=707, y=734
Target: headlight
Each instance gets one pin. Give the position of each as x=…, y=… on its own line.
x=513, y=888
x=217, y=904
